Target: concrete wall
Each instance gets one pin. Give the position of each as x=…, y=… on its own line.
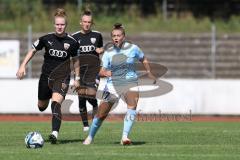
x=174, y=96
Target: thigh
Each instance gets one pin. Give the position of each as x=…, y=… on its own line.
x=61, y=86
x=91, y=91
x=44, y=92
x=110, y=95
x=57, y=97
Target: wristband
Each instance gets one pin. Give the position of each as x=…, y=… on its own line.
x=77, y=78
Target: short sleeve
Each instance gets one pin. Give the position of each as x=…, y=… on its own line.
x=38, y=44
x=105, y=60
x=138, y=53
x=100, y=41
x=74, y=50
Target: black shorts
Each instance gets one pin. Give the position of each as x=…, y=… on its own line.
x=47, y=86
x=84, y=84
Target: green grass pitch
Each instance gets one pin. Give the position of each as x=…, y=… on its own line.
x=152, y=140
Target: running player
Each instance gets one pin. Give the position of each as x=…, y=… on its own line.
x=118, y=66
x=59, y=47
x=91, y=45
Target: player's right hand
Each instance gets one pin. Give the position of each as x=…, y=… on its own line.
x=99, y=50
x=21, y=73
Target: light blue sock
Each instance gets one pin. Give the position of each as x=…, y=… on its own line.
x=96, y=123
x=128, y=121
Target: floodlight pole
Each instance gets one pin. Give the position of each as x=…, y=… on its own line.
x=79, y=4
x=164, y=9
x=213, y=50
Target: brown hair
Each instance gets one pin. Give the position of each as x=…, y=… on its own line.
x=60, y=12
x=87, y=12
x=119, y=26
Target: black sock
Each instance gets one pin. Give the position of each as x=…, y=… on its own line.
x=56, y=116
x=83, y=110
x=94, y=103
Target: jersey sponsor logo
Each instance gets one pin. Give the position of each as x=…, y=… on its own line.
x=66, y=46
x=93, y=40
x=88, y=48
x=57, y=53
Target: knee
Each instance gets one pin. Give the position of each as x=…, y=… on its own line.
x=102, y=116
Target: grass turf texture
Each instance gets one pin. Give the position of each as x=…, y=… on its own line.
x=152, y=140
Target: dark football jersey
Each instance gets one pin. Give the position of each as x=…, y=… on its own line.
x=89, y=58
x=57, y=50
x=88, y=42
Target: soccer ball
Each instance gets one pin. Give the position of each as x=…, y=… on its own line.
x=34, y=140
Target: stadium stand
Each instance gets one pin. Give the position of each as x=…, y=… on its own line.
x=185, y=55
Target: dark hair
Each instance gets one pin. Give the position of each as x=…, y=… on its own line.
x=87, y=12
x=119, y=26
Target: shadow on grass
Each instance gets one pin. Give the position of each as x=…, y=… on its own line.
x=134, y=143
x=65, y=141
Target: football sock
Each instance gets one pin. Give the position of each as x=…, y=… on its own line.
x=94, y=127
x=128, y=121
x=55, y=133
x=83, y=110
x=56, y=116
x=94, y=104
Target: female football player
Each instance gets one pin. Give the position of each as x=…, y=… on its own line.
x=90, y=47
x=59, y=47
x=118, y=65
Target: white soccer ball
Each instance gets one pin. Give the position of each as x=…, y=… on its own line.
x=34, y=140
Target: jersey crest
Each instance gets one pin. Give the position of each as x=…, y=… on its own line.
x=66, y=46
x=93, y=40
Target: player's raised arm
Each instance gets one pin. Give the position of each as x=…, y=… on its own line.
x=22, y=69
x=148, y=69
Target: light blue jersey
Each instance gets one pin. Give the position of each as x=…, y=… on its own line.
x=122, y=62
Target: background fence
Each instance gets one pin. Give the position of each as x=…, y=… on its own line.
x=192, y=55
x=197, y=42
